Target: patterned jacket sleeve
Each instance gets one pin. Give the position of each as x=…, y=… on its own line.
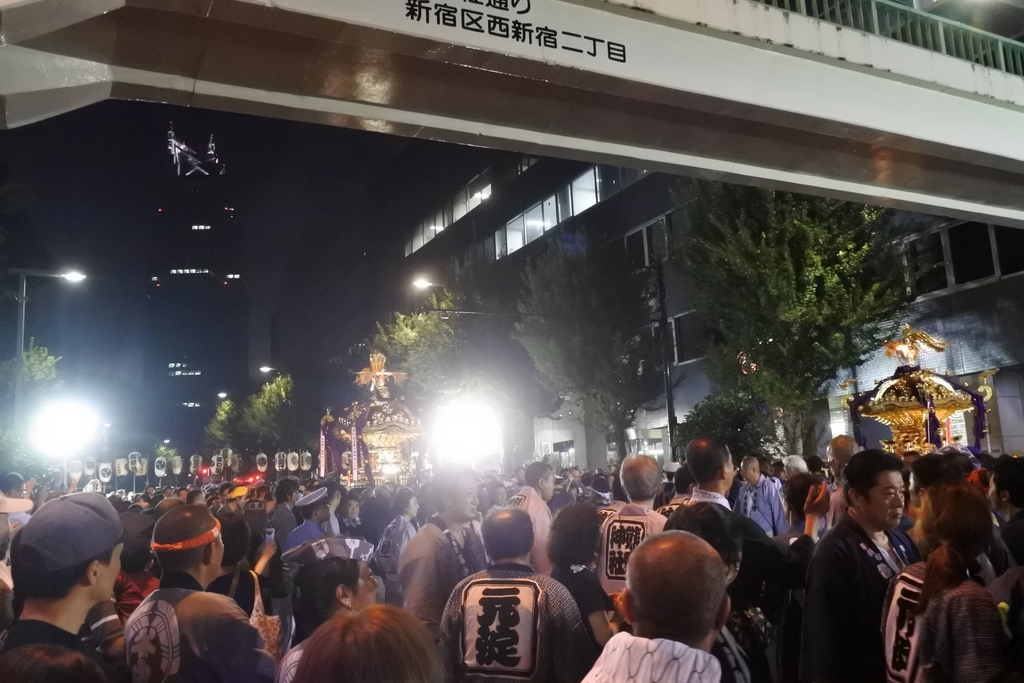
x=573, y=650
x=450, y=643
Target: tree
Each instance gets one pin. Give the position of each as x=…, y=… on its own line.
x=222, y=429
x=40, y=376
x=587, y=326
x=266, y=418
x=791, y=288
x=744, y=425
x=423, y=345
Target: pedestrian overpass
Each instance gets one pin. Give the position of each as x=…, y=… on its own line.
x=861, y=99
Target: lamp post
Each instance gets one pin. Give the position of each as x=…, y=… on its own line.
x=19, y=358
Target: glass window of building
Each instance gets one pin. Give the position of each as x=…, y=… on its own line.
x=417, y=237
x=1010, y=245
x=515, y=233
x=534, y=223
x=636, y=250
x=564, y=198
x=927, y=264
x=550, y=213
x=657, y=241
x=607, y=181
x=408, y=246
x=489, y=248
x=691, y=337
x=584, y=192
x=628, y=176
x=500, y=247
x=459, y=208
x=970, y=249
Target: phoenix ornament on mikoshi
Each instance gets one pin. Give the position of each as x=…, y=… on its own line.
x=369, y=439
x=914, y=402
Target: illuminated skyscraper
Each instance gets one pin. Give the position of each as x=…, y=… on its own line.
x=197, y=302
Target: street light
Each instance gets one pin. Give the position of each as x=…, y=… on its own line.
x=19, y=358
x=466, y=432
x=62, y=428
x=422, y=283
x=167, y=440
x=265, y=369
x=222, y=394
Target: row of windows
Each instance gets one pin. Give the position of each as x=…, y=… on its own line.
x=184, y=373
x=192, y=405
x=470, y=197
x=594, y=185
x=200, y=227
x=962, y=254
x=178, y=365
x=190, y=271
x=233, y=276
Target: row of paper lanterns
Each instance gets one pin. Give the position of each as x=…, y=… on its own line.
x=138, y=464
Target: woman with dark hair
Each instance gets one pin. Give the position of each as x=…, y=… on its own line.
x=393, y=541
x=717, y=526
x=325, y=587
x=236, y=580
x=575, y=534
x=937, y=621
x=382, y=644
x=49, y=664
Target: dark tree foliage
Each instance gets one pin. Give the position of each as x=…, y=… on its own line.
x=791, y=288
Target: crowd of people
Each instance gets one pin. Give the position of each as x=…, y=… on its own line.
x=865, y=567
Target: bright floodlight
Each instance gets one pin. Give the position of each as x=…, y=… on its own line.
x=466, y=432
x=62, y=428
x=222, y=394
x=266, y=368
x=422, y=283
x=167, y=440
x=73, y=276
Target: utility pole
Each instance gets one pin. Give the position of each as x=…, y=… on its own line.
x=666, y=361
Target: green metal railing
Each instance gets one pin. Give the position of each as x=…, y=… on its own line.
x=913, y=27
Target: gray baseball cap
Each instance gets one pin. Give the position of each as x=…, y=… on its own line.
x=77, y=528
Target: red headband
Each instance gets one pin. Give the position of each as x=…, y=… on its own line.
x=197, y=542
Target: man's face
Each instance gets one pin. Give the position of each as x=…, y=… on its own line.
x=351, y=509
x=575, y=475
x=183, y=495
x=546, y=487
x=751, y=471
x=462, y=505
x=882, y=508
x=150, y=490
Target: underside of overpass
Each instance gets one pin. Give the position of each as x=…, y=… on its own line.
x=684, y=95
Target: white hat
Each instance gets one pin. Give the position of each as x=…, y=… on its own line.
x=9, y=505
x=671, y=467
x=312, y=498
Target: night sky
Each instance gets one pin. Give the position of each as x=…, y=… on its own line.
x=95, y=175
